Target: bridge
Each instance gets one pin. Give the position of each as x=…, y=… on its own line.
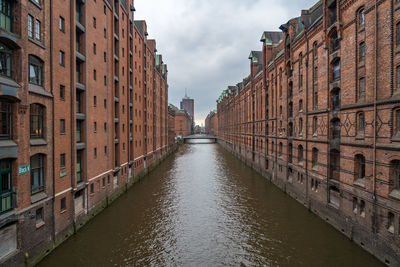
x=212, y=138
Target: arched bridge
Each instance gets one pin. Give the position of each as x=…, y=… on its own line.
x=212, y=138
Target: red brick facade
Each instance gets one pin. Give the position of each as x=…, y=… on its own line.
x=211, y=123
x=84, y=112
x=318, y=115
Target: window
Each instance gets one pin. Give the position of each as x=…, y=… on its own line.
x=95, y=126
x=36, y=121
x=62, y=58
x=396, y=125
x=361, y=123
x=5, y=15
x=104, y=182
x=105, y=150
x=315, y=74
x=94, y=75
x=361, y=89
x=315, y=50
x=79, y=166
x=359, y=168
x=336, y=70
x=63, y=204
x=37, y=30
x=94, y=22
x=62, y=92
x=62, y=161
x=62, y=126
x=105, y=56
x=314, y=157
x=30, y=26
x=94, y=48
x=105, y=10
x=395, y=174
x=280, y=149
x=5, y=60
x=362, y=18
x=105, y=103
x=105, y=126
x=361, y=56
x=35, y=71
x=315, y=122
x=61, y=24
x=91, y=188
x=390, y=225
x=37, y=173
x=105, y=80
x=336, y=127
x=5, y=185
x=300, y=105
x=301, y=126
x=398, y=77
x=398, y=34
x=94, y=101
x=95, y=153
x=300, y=156
x=6, y=119
x=39, y=217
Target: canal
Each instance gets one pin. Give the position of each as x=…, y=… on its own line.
x=203, y=207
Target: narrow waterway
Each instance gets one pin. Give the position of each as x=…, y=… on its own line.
x=203, y=207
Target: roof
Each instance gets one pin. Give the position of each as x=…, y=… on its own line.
x=272, y=37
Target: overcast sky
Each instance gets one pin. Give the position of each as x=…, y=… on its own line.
x=206, y=43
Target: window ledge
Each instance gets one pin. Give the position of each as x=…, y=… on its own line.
x=360, y=182
x=360, y=137
x=37, y=89
x=36, y=4
x=38, y=197
x=396, y=138
x=38, y=142
x=395, y=194
x=36, y=42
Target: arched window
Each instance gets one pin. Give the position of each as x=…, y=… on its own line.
x=361, y=18
x=290, y=126
x=300, y=105
x=35, y=70
x=359, y=168
x=37, y=173
x=360, y=123
x=314, y=157
x=300, y=152
x=290, y=153
x=37, y=126
x=5, y=60
x=280, y=149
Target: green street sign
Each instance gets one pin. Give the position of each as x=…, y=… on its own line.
x=24, y=169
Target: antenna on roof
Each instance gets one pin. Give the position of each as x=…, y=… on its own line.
x=186, y=93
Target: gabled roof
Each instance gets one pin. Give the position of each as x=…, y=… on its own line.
x=256, y=56
x=311, y=16
x=271, y=37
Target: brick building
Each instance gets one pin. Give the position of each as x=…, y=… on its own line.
x=319, y=116
x=183, y=122
x=84, y=111
x=211, y=123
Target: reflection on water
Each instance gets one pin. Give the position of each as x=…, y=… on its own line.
x=203, y=207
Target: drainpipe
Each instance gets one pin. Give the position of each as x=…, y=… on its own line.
x=51, y=85
x=375, y=116
x=306, y=108
x=73, y=167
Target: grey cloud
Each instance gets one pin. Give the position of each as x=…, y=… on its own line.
x=206, y=42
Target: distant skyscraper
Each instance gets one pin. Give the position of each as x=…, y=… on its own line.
x=188, y=105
